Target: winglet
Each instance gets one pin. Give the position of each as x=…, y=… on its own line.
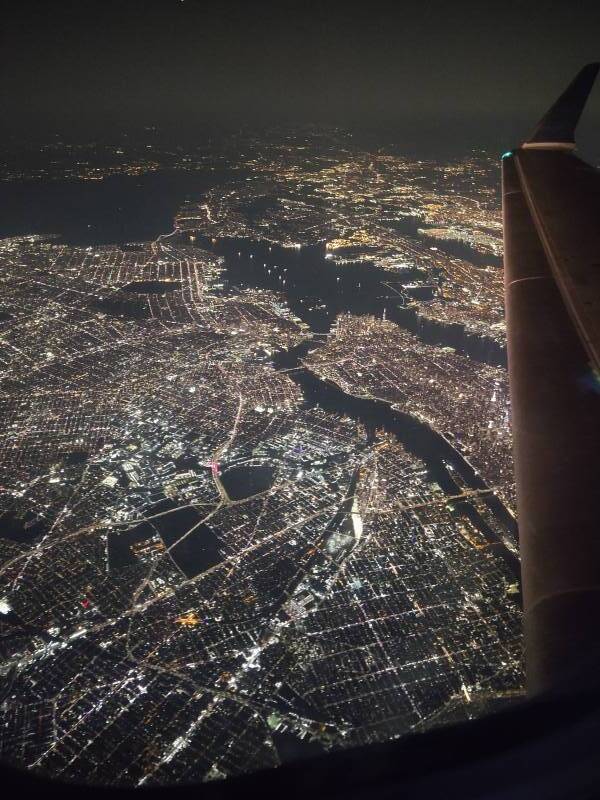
x=556, y=129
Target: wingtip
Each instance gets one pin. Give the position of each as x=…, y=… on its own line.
x=556, y=129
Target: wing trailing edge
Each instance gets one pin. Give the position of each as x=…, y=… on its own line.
x=551, y=209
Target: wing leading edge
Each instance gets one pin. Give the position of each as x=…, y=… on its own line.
x=556, y=129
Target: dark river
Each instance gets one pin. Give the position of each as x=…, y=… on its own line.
x=317, y=290
x=124, y=209
x=118, y=209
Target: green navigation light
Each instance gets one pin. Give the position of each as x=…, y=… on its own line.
x=507, y=154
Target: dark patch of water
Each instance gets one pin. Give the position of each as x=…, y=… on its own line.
x=418, y=439
x=198, y=551
x=23, y=528
x=120, y=306
x=291, y=748
x=117, y=209
x=241, y=482
x=317, y=290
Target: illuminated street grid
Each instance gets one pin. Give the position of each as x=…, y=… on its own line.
x=61, y=160
x=324, y=189
x=199, y=568
x=464, y=400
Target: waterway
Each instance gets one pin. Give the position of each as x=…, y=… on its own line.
x=116, y=210
x=194, y=554
x=418, y=438
x=317, y=289
x=123, y=209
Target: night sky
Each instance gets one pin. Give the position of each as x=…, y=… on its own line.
x=446, y=68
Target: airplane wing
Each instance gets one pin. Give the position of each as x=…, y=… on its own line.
x=551, y=217
x=563, y=198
